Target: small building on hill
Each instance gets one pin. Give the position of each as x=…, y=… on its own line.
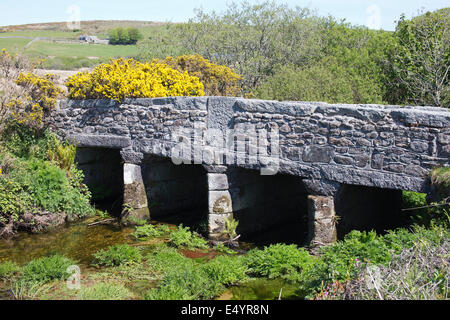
x=92, y=39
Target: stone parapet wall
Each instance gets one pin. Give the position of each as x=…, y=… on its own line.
x=372, y=145
x=144, y=125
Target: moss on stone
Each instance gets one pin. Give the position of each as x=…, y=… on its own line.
x=220, y=204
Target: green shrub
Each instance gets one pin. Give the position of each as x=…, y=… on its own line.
x=218, y=80
x=183, y=237
x=426, y=215
x=168, y=292
x=150, y=231
x=23, y=142
x=186, y=279
x=119, y=254
x=29, y=183
x=226, y=270
x=63, y=154
x=341, y=258
x=47, y=269
x=8, y=269
x=14, y=198
x=412, y=199
x=186, y=283
x=278, y=261
x=328, y=80
x=164, y=258
x=105, y=291
x=24, y=289
x=52, y=190
x=124, y=36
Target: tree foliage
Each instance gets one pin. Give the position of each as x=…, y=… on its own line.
x=289, y=53
x=251, y=39
x=419, y=62
x=124, y=36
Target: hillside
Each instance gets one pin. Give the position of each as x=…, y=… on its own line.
x=61, y=50
x=92, y=26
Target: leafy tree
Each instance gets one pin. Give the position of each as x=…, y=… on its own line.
x=326, y=82
x=350, y=71
x=420, y=59
x=251, y=39
x=163, y=41
x=361, y=53
x=124, y=36
x=114, y=36
x=134, y=35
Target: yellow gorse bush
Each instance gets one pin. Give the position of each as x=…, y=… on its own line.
x=129, y=78
x=218, y=80
x=39, y=99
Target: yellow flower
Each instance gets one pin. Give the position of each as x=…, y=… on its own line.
x=122, y=79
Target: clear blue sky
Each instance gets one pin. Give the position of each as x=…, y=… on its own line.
x=373, y=13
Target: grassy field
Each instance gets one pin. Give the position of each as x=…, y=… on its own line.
x=47, y=48
x=13, y=44
x=42, y=33
x=60, y=55
x=66, y=56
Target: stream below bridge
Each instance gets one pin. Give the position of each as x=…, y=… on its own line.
x=79, y=241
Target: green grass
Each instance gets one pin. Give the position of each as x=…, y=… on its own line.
x=151, y=30
x=67, y=56
x=183, y=237
x=13, y=45
x=47, y=48
x=119, y=254
x=105, y=291
x=441, y=177
x=148, y=231
x=47, y=269
x=8, y=269
x=187, y=279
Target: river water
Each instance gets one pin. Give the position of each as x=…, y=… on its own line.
x=79, y=241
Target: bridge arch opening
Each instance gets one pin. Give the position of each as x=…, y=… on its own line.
x=176, y=194
x=103, y=174
x=367, y=208
x=269, y=208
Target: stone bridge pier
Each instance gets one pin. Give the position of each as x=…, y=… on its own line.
x=135, y=203
x=321, y=212
x=220, y=204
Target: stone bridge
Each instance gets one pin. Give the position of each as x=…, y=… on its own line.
x=267, y=163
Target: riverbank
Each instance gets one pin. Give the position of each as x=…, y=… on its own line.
x=40, y=186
